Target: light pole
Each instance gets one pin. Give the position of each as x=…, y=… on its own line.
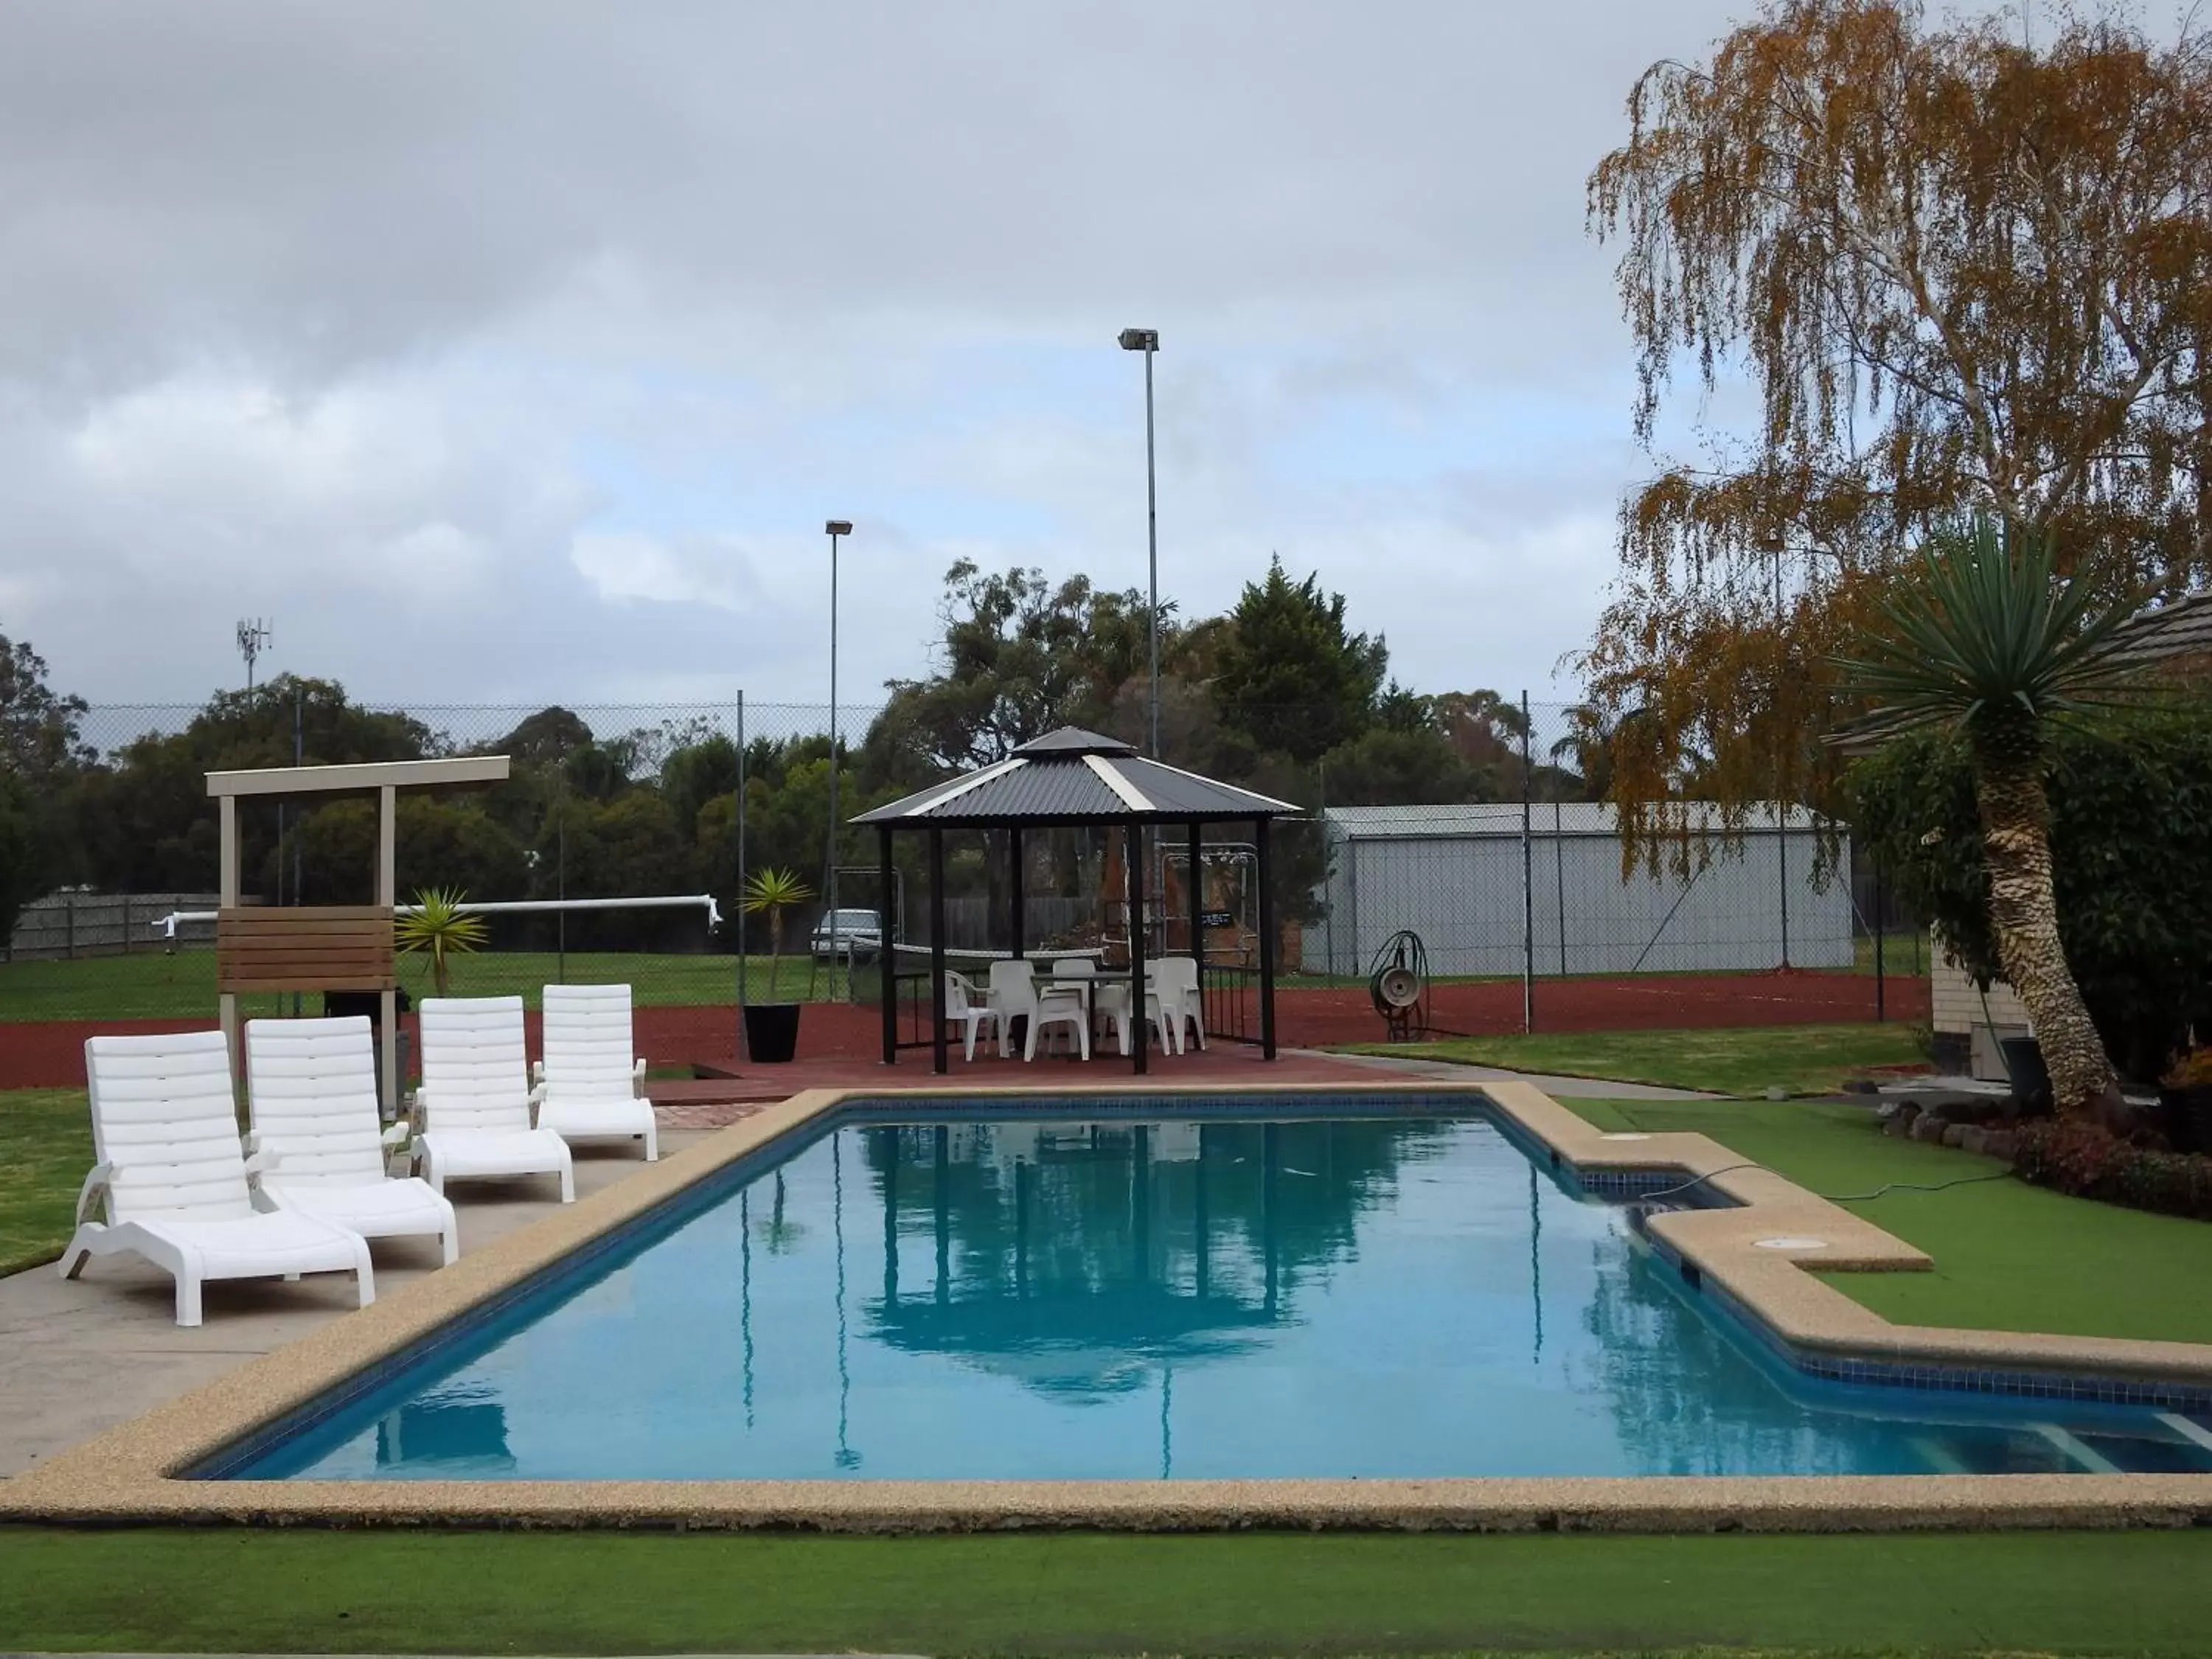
x=1147, y=340
x=835, y=528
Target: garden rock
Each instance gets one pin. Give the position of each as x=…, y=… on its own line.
x=1929, y=1127
x=1955, y=1135
x=1972, y=1138
x=2000, y=1143
x=1898, y=1119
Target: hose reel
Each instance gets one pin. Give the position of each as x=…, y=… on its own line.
x=1398, y=984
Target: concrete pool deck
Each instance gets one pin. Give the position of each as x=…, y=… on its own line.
x=1756, y=1253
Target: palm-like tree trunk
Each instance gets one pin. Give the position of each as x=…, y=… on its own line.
x=2024, y=918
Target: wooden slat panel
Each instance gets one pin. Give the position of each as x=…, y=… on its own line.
x=275, y=961
x=352, y=932
x=318, y=948
x=348, y=982
x=301, y=916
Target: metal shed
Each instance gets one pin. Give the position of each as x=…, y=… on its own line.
x=1461, y=877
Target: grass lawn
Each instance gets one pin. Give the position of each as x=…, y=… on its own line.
x=1806, y=1060
x=2008, y=1256
x=46, y=1147
x=554, y=1593
x=150, y=985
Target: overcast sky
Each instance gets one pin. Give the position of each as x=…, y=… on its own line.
x=517, y=352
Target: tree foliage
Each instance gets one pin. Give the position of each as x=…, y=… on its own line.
x=1958, y=272
x=1018, y=656
x=40, y=751
x=1291, y=674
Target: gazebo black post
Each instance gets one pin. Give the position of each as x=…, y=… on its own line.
x=1140, y=1041
x=1197, y=911
x=940, y=1060
x=886, y=956
x=1267, y=944
x=1014, y=859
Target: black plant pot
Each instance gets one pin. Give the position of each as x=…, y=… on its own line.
x=2188, y=1117
x=771, y=1031
x=2030, y=1079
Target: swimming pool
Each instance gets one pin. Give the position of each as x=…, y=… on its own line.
x=1124, y=1293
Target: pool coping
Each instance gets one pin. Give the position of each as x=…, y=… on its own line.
x=135, y=1474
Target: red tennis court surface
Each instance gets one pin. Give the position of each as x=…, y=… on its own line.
x=51, y=1054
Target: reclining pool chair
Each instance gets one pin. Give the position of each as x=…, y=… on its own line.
x=475, y=1105
x=591, y=1083
x=176, y=1186
x=312, y=1084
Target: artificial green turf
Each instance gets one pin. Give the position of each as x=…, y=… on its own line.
x=306, y=1591
x=1750, y=1061
x=46, y=1147
x=2008, y=1256
x=150, y=985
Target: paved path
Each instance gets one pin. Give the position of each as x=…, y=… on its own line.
x=77, y=1357
x=1576, y=1088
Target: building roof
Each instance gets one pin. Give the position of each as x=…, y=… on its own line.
x=1074, y=777
x=2179, y=627
x=1573, y=817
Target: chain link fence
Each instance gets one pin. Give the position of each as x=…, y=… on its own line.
x=621, y=846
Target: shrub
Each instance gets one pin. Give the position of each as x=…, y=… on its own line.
x=2085, y=1159
x=2131, y=821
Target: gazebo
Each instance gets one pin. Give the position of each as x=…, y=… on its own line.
x=1071, y=778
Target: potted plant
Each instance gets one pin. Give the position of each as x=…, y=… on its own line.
x=439, y=926
x=772, y=1027
x=2186, y=1092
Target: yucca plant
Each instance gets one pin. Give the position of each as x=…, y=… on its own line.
x=439, y=925
x=774, y=891
x=1987, y=640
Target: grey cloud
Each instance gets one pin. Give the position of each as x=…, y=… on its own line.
x=319, y=308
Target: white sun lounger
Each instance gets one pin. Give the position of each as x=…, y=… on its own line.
x=312, y=1084
x=174, y=1181
x=591, y=1083
x=476, y=1103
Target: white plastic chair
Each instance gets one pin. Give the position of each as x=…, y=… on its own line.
x=476, y=1101
x=963, y=1002
x=1014, y=996
x=174, y=1183
x=311, y=1087
x=1114, y=1004
x=591, y=1081
x=1175, y=978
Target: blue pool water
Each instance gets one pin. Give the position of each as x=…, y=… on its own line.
x=1361, y=1295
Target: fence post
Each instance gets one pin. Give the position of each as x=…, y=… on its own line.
x=739, y=1049
x=1781, y=868
x=1881, y=928
x=1528, y=877
x=69, y=912
x=1559, y=880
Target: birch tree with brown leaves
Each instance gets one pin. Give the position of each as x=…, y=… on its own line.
x=1959, y=272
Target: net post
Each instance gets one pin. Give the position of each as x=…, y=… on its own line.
x=1140, y=1040
x=886, y=962
x=1261, y=829
x=940, y=1060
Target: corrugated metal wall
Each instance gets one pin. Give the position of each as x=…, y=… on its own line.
x=1463, y=895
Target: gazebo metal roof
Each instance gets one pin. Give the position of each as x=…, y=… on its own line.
x=1074, y=777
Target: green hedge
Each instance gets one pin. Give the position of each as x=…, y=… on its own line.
x=2132, y=852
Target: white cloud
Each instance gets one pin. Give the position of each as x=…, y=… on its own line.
x=518, y=349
